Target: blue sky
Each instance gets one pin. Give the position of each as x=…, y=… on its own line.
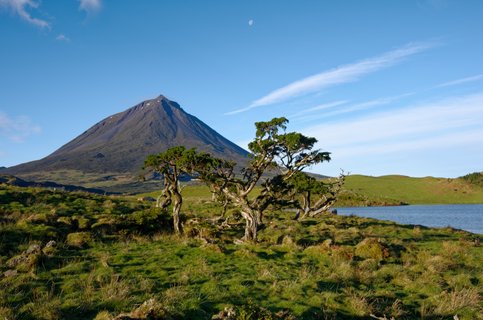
x=389, y=87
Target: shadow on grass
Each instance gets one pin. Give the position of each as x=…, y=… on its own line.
x=330, y=286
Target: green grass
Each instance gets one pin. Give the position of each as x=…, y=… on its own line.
x=362, y=190
x=333, y=267
x=427, y=190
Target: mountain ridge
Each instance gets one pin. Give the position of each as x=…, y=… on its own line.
x=114, y=148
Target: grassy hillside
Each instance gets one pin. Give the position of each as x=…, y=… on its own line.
x=427, y=190
x=116, y=255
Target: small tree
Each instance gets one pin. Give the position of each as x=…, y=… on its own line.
x=276, y=157
x=313, y=196
x=171, y=164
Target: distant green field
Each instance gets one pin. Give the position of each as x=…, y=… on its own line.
x=426, y=190
x=386, y=190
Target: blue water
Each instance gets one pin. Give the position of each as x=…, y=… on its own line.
x=467, y=217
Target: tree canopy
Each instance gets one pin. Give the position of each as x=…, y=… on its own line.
x=276, y=164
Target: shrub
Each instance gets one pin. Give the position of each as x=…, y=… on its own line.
x=371, y=248
x=27, y=260
x=82, y=223
x=79, y=239
x=150, y=220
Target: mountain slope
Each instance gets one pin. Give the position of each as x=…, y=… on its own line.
x=114, y=149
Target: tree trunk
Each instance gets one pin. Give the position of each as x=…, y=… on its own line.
x=178, y=202
x=252, y=222
x=164, y=199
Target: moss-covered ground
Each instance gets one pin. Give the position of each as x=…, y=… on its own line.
x=111, y=254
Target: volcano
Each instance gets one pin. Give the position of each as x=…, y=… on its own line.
x=111, y=153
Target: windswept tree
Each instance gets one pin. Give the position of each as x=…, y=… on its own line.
x=276, y=157
x=313, y=197
x=171, y=164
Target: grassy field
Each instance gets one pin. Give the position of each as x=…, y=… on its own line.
x=362, y=190
x=116, y=255
x=359, y=190
x=427, y=190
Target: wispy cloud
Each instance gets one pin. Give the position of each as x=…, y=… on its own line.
x=411, y=127
x=21, y=7
x=460, y=81
x=62, y=37
x=17, y=129
x=344, y=74
x=90, y=6
x=323, y=106
x=472, y=137
x=351, y=108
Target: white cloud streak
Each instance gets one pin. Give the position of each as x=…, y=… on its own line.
x=427, y=125
x=344, y=74
x=90, y=6
x=318, y=108
x=351, y=108
x=471, y=137
x=62, y=37
x=17, y=129
x=460, y=81
x=20, y=7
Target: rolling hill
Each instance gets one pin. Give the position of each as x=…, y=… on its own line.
x=427, y=190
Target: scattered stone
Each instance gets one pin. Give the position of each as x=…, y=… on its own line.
x=13, y=262
x=51, y=243
x=150, y=309
x=227, y=314
x=10, y=273
x=50, y=248
x=27, y=260
x=146, y=199
x=33, y=249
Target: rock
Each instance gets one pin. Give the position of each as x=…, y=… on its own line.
x=10, y=273
x=51, y=243
x=33, y=249
x=146, y=199
x=227, y=314
x=13, y=262
x=50, y=248
x=150, y=309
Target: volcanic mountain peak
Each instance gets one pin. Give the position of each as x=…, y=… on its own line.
x=117, y=145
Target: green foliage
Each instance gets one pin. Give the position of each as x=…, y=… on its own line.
x=150, y=221
x=171, y=164
x=79, y=239
x=273, y=148
x=371, y=248
x=475, y=178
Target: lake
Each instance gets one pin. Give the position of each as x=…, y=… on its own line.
x=468, y=217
